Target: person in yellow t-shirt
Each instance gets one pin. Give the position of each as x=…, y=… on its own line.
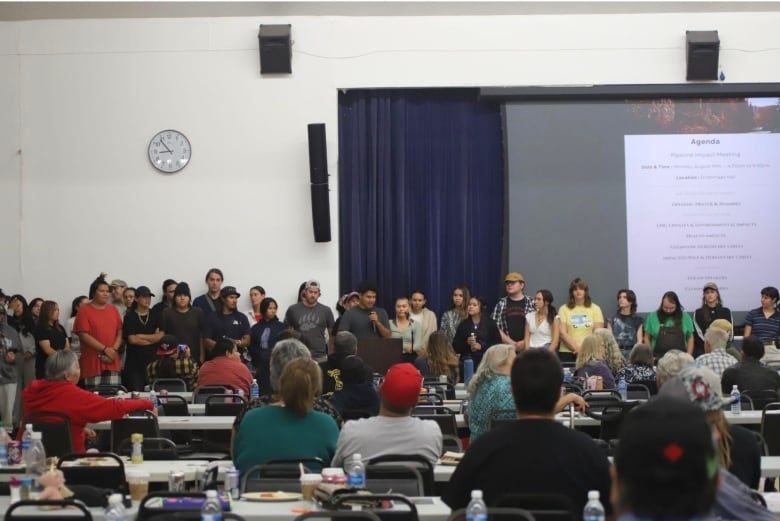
x=579, y=317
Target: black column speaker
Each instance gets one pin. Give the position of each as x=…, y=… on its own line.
x=701, y=58
x=275, y=51
x=318, y=176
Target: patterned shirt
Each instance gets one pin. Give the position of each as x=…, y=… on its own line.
x=718, y=360
x=186, y=369
x=499, y=312
x=491, y=395
x=450, y=320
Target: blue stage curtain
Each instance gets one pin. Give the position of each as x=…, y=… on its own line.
x=421, y=193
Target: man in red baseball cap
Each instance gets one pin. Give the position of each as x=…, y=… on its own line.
x=395, y=430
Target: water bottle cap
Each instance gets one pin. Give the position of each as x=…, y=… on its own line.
x=357, y=456
x=114, y=499
x=476, y=494
x=211, y=494
x=27, y=427
x=593, y=494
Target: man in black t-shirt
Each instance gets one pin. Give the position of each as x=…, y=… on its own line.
x=227, y=323
x=536, y=454
x=510, y=311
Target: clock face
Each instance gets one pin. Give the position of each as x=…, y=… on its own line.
x=169, y=151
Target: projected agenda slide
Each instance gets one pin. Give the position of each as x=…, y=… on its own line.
x=701, y=208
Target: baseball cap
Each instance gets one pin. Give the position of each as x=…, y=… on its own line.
x=513, y=277
x=311, y=284
x=167, y=345
x=228, y=291
x=401, y=387
x=666, y=450
x=118, y=282
x=698, y=385
x=143, y=291
x=182, y=289
x=710, y=285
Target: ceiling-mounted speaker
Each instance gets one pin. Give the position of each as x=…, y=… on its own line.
x=275, y=49
x=701, y=55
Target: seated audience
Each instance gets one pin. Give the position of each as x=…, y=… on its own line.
x=666, y=465
x=737, y=449
x=395, y=430
x=640, y=369
x=750, y=374
x=536, y=454
x=490, y=390
x=290, y=346
x=225, y=368
x=357, y=392
x=591, y=361
x=440, y=358
x=671, y=364
x=344, y=345
x=291, y=429
x=59, y=392
x=716, y=357
x=172, y=362
x=613, y=355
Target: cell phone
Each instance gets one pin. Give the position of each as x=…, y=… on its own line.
x=182, y=348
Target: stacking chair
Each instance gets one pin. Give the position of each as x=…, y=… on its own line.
x=172, y=385
x=595, y=396
x=33, y=510
x=501, y=417
x=451, y=443
x=55, y=431
x=544, y=507
x=173, y=405
x=745, y=403
x=610, y=412
x=122, y=428
x=279, y=474
x=760, y=398
x=107, y=390
x=415, y=462
x=636, y=391
x=153, y=449
x=445, y=390
x=770, y=427
x=335, y=515
x=409, y=513
x=110, y=475
x=572, y=387
x=200, y=394
x=445, y=418
x=220, y=405
x=396, y=478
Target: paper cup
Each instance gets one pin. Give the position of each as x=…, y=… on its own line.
x=309, y=484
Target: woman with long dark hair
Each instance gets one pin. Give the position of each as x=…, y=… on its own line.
x=256, y=296
x=476, y=333
x=541, y=326
x=50, y=336
x=668, y=327
x=578, y=319
x=439, y=358
x=262, y=339
x=451, y=319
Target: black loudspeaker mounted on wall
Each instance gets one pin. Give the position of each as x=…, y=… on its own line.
x=318, y=176
x=275, y=52
x=701, y=59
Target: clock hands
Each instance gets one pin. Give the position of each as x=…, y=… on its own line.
x=166, y=147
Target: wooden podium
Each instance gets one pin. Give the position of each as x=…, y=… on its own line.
x=380, y=353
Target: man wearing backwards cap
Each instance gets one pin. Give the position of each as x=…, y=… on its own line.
x=395, y=430
x=312, y=319
x=666, y=465
x=510, y=311
x=535, y=454
x=117, y=295
x=228, y=323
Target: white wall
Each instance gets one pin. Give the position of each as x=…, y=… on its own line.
x=82, y=98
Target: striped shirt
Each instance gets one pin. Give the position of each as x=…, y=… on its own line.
x=767, y=329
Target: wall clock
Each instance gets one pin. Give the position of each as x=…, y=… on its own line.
x=169, y=151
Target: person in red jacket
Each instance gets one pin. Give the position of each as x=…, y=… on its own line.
x=59, y=392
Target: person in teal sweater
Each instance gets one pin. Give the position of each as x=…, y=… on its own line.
x=290, y=430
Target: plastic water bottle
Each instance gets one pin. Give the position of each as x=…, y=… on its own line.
x=476, y=510
x=567, y=376
x=254, y=390
x=26, y=439
x=468, y=370
x=622, y=388
x=35, y=460
x=154, y=399
x=736, y=399
x=356, y=472
x=115, y=511
x=212, y=510
x=594, y=510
